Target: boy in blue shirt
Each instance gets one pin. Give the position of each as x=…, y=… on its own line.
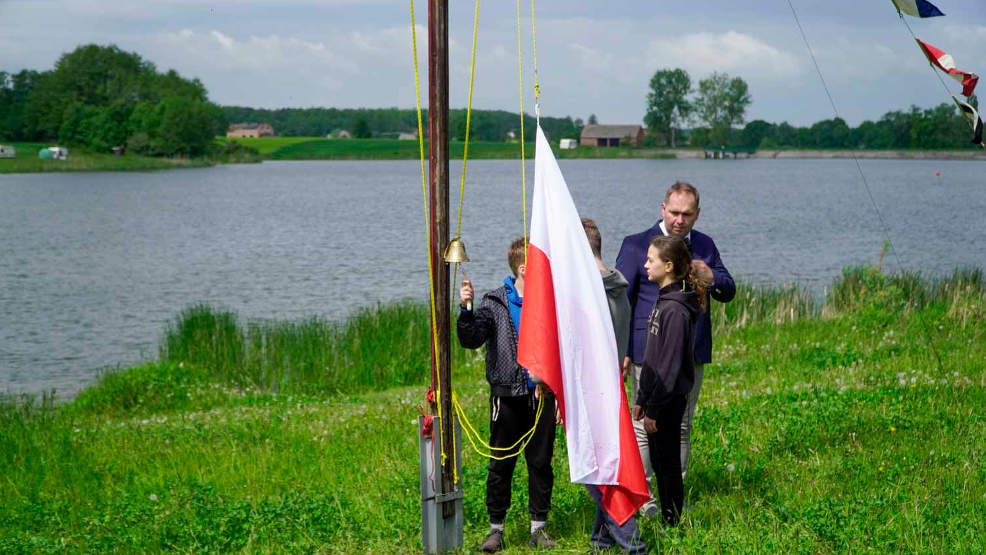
x=514, y=401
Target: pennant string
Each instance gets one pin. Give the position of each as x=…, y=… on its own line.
x=883, y=224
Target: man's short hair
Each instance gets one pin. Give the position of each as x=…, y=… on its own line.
x=595, y=239
x=516, y=255
x=682, y=187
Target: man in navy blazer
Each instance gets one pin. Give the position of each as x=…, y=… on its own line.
x=679, y=212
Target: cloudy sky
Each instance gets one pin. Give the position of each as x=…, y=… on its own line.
x=594, y=56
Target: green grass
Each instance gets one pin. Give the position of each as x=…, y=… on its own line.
x=830, y=431
x=267, y=145
x=309, y=148
x=375, y=348
x=26, y=161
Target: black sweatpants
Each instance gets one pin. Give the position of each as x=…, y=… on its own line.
x=510, y=417
x=665, y=458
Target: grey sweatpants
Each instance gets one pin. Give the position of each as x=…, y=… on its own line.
x=686, y=424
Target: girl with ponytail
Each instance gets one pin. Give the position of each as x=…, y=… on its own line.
x=668, y=370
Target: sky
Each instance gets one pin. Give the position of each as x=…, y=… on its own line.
x=593, y=57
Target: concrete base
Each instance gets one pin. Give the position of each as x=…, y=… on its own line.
x=439, y=534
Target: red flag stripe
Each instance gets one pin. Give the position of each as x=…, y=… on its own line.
x=538, y=343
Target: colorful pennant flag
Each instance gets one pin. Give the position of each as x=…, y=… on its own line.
x=917, y=8
x=567, y=340
x=944, y=62
x=972, y=116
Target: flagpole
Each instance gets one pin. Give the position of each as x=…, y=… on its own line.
x=441, y=529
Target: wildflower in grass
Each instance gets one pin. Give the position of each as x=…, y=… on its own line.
x=731, y=468
x=152, y=497
x=893, y=429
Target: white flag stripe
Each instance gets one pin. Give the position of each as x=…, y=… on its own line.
x=589, y=358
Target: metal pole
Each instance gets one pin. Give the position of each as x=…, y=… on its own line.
x=438, y=86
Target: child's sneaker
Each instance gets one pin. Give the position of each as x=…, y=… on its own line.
x=493, y=542
x=541, y=540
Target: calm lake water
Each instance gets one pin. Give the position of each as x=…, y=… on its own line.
x=94, y=265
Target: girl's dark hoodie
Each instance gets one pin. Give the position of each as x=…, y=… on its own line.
x=668, y=367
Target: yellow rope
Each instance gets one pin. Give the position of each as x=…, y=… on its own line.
x=523, y=169
x=431, y=269
x=462, y=187
x=473, y=435
x=534, y=47
x=465, y=150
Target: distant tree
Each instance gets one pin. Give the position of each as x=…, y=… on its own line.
x=576, y=130
x=786, y=135
x=667, y=102
x=721, y=104
x=756, y=131
x=186, y=127
x=593, y=120
x=75, y=122
x=108, y=127
x=830, y=133
x=361, y=129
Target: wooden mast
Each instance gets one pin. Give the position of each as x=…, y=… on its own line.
x=438, y=192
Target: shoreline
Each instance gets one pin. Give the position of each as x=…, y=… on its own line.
x=819, y=154
x=90, y=162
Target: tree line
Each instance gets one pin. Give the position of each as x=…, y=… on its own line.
x=101, y=97
x=364, y=123
x=940, y=127
x=718, y=107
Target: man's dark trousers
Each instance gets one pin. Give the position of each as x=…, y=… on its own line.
x=510, y=418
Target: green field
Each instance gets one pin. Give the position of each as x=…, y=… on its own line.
x=302, y=148
x=267, y=145
x=825, y=425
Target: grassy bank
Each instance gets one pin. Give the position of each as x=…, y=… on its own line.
x=27, y=161
x=825, y=425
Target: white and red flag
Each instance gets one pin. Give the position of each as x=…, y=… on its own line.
x=567, y=340
x=944, y=62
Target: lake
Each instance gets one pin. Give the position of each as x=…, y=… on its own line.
x=94, y=265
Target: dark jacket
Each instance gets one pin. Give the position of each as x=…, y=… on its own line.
x=642, y=293
x=491, y=324
x=668, y=369
x=619, y=308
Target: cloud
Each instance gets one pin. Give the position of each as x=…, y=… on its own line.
x=730, y=52
x=276, y=71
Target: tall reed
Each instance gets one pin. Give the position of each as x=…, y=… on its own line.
x=389, y=344
x=375, y=348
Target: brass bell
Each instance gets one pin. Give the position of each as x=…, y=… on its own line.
x=455, y=252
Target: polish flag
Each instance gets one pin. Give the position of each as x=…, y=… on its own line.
x=567, y=340
x=944, y=62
